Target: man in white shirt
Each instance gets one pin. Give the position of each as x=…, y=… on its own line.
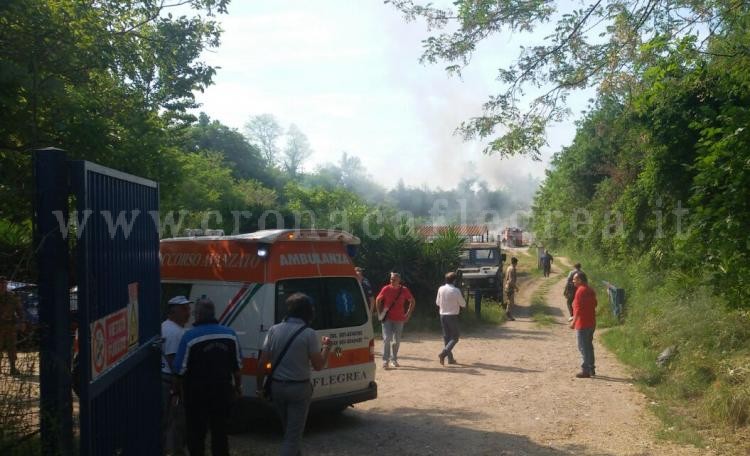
x=449, y=300
x=173, y=415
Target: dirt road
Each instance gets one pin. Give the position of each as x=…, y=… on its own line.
x=513, y=393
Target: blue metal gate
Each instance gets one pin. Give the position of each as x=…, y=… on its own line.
x=116, y=239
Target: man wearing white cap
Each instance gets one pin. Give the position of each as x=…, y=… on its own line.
x=173, y=415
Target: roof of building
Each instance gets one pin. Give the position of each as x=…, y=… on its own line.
x=462, y=230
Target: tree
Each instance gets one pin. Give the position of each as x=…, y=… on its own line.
x=109, y=81
x=601, y=44
x=67, y=63
x=352, y=170
x=263, y=130
x=669, y=160
x=211, y=187
x=104, y=80
x=240, y=156
x=296, y=152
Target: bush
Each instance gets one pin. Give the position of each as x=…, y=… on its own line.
x=727, y=404
x=709, y=377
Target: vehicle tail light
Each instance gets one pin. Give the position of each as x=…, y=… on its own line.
x=372, y=350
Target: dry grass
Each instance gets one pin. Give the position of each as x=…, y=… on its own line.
x=19, y=405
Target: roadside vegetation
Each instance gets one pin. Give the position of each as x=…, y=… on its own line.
x=687, y=350
x=652, y=196
x=541, y=312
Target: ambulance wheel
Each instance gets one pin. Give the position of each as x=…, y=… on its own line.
x=338, y=410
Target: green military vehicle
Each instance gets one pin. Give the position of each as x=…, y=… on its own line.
x=481, y=269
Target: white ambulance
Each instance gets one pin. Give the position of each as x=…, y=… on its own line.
x=249, y=276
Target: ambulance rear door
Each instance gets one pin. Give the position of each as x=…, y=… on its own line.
x=340, y=313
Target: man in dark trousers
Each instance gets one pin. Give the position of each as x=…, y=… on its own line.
x=570, y=290
x=207, y=366
x=173, y=411
x=510, y=288
x=546, y=263
x=584, y=323
x=449, y=300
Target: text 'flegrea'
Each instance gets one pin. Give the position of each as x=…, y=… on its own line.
x=327, y=380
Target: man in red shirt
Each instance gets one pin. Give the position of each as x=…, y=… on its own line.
x=395, y=304
x=584, y=322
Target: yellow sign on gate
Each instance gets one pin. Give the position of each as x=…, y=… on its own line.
x=132, y=315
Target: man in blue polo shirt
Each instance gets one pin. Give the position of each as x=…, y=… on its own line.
x=208, y=361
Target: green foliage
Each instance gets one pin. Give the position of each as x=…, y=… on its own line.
x=442, y=255
x=108, y=82
x=705, y=384
x=318, y=207
x=589, y=45
x=80, y=75
x=242, y=158
x=539, y=309
x=210, y=186
x=662, y=174
x=15, y=253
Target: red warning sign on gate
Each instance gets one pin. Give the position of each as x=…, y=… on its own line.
x=116, y=328
x=98, y=356
x=109, y=341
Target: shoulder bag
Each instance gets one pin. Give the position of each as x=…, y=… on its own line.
x=383, y=315
x=269, y=378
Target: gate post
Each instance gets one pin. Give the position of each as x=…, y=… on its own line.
x=51, y=198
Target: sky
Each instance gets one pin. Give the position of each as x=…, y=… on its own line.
x=347, y=73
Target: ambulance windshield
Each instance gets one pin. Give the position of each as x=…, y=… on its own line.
x=338, y=301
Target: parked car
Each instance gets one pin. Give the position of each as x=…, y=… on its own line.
x=29, y=325
x=30, y=303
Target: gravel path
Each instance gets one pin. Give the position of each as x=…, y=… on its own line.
x=513, y=393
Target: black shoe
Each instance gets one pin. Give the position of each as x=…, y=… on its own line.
x=593, y=372
x=510, y=317
x=452, y=361
x=441, y=358
x=583, y=375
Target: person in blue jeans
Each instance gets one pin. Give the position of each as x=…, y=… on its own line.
x=394, y=304
x=584, y=323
